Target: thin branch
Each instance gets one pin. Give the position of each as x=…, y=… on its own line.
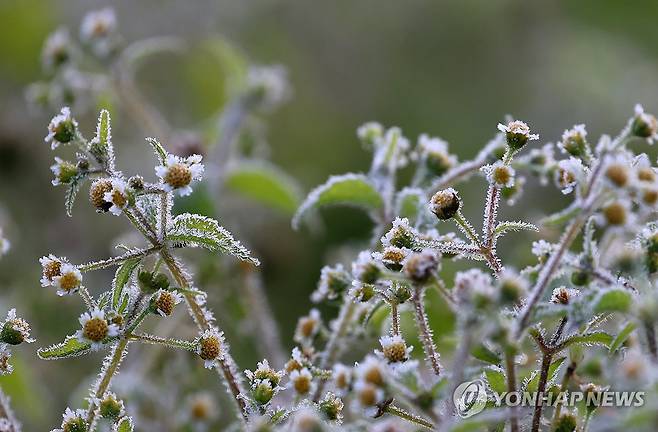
x=157, y=340
x=431, y=353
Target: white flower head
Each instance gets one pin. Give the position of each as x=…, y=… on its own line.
x=61, y=129
x=394, y=349
x=367, y=397
x=97, y=29
x=73, y=420
x=371, y=370
x=95, y=329
x=517, y=134
x=210, y=347
x=342, y=378
x=570, y=172
x=308, y=327
x=68, y=281
x=178, y=173
x=616, y=214
x=57, y=49
x=51, y=267
x=644, y=125
x=117, y=196
x=574, y=142
x=165, y=301
x=499, y=174
x=365, y=268
x=471, y=282
x=302, y=381
x=617, y=171
x=272, y=84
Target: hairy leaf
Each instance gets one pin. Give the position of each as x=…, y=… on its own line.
x=622, y=336
x=121, y=278
x=125, y=424
x=71, y=347
x=72, y=192
x=614, y=300
x=507, y=226
x=159, y=151
x=190, y=230
x=496, y=379
x=594, y=338
x=348, y=189
x=266, y=184
x=481, y=352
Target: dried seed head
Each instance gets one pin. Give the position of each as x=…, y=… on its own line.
x=421, y=266
x=97, y=193
x=445, y=203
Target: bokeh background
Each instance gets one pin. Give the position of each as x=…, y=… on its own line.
x=447, y=68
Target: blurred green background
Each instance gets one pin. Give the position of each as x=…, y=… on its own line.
x=447, y=68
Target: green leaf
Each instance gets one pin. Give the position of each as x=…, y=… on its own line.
x=264, y=183
x=622, y=336
x=347, y=189
x=507, y=226
x=533, y=382
x=481, y=352
x=594, y=338
x=497, y=380
x=614, y=300
x=159, y=151
x=71, y=347
x=72, y=192
x=562, y=216
x=121, y=278
x=191, y=230
x=101, y=145
x=125, y=424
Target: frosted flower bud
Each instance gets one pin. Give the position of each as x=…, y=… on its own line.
x=394, y=349
x=342, y=378
x=262, y=392
x=265, y=372
x=445, y=203
x=74, y=421
x=68, y=281
x=433, y=152
x=574, y=142
x=269, y=85
x=370, y=133
x=563, y=295
x=136, y=182
x=308, y=327
x=365, y=269
x=333, y=282
x=517, y=134
x=15, y=330
x=297, y=361
x=64, y=171
x=472, y=282
x=332, y=407
x=512, y=287
x=95, y=329
x=644, y=125
x=57, y=49
x=178, y=173
x=401, y=235
x=302, y=381
x=164, y=302
x=62, y=129
x=99, y=188
x=209, y=346
x=511, y=194
x=500, y=175
x=111, y=408
x=117, y=196
x=421, y=266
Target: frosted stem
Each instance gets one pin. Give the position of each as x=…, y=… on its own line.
x=425, y=333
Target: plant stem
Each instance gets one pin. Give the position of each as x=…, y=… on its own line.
x=425, y=333
x=651, y=340
x=563, y=387
x=461, y=170
x=86, y=297
x=413, y=418
x=97, y=265
x=226, y=362
x=110, y=368
x=511, y=387
x=331, y=349
x=541, y=388
x=395, y=319
x=157, y=340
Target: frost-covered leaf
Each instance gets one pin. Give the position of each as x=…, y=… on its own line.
x=72, y=192
x=159, y=151
x=265, y=183
x=348, y=189
x=614, y=300
x=125, y=424
x=481, y=352
x=622, y=336
x=507, y=226
x=121, y=278
x=496, y=379
x=593, y=338
x=191, y=230
x=101, y=146
x=71, y=347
